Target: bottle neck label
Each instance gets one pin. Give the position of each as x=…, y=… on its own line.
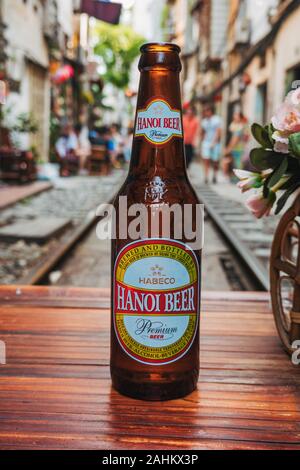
x=156, y=300
x=158, y=123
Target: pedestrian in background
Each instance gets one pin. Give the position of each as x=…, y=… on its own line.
x=211, y=132
x=117, y=143
x=128, y=144
x=67, y=143
x=66, y=151
x=96, y=136
x=111, y=146
x=84, y=147
x=239, y=129
x=191, y=127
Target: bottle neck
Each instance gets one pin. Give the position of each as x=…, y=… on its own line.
x=158, y=147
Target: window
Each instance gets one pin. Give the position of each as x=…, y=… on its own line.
x=261, y=104
x=292, y=75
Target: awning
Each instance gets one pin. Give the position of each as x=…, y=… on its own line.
x=102, y=10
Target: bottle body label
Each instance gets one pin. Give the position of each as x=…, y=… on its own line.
x=156, y=300
x=158, y=123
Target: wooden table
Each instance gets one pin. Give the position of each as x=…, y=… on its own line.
x=56, y=393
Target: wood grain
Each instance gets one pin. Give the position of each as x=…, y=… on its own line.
x=55, y=391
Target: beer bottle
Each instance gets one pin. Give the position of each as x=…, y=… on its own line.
x=156, y=281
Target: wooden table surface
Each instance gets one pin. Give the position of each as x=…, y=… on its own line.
x=56, y=393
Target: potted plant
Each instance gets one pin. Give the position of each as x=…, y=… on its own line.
x=16, y=164
x=277, y=177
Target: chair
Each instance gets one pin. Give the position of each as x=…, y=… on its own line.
x=98, y=163
x=69, y=166
x=15, y=165
x=4, y=138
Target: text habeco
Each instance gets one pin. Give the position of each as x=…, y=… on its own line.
x=158, y=123
x=135, y=300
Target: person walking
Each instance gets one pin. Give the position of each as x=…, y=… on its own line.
x=67, y=143
x=66, y=151
x=239, y=130
x=211, y=131
x=128, y=144
x=117, y=145
x=84, y=148
x=191, y=131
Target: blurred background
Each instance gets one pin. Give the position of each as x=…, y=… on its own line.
x=68, y=89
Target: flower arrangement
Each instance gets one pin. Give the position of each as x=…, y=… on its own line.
x=277, y=160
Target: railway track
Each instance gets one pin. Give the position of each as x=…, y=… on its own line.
x=250, y=239
x=27, y=263
x=237, y=257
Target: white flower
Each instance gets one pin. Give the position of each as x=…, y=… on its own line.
x=293, y=98
x=248, y=180
x=282, y=143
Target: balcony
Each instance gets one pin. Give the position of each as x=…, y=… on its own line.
x=51, y=23
x=241, y=34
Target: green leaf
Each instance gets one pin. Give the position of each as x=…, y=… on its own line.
x=278, y=173
x=263, y=159
x=294, y=141
x=261, y=135
x=283, y=199
x=117, y=48
x=294, y=166
x=270, y=130
x=290, y=182
x=266, y=189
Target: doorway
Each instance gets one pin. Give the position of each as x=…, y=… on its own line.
x=37, y=96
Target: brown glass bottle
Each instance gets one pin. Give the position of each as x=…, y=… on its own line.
x=155, y=288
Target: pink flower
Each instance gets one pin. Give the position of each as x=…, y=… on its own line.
x=293, y=98
x=287, y=120
x=248, y=180
x=259, y=205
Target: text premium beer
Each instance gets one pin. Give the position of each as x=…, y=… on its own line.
x=156, y=280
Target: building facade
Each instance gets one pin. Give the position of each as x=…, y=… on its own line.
x=38, y=33
x=149, y=28
x=262, y=58
x=144, y=17
x=237, y=54
x=200, y=28
x=27, y=67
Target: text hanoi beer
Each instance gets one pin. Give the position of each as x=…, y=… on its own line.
x=156, y=279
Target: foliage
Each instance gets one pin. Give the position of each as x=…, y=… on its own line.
x=165, y=14
x=97, y=97
x=54, y=135
x=35, y=154
x=283, y=167
x=5, y=112
x=25, y=124
x=118, y=47
x=277, y=159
